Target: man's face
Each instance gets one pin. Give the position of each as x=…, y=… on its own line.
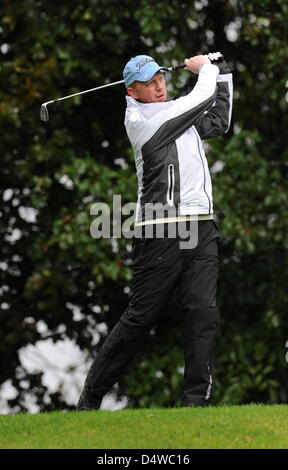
x=152, y=91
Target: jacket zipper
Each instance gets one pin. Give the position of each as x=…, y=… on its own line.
x=203, y=172
x=171, y=182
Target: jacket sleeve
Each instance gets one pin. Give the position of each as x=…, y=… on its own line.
x=216, y=121
x=166, y=121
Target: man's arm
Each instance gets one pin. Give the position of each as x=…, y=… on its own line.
x=216, y=121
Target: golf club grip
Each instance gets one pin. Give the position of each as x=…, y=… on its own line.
x=176, y=67
x=182, y=66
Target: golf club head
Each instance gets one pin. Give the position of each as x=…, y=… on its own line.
x=44, y=115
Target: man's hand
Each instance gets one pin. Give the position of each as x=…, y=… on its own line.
x=218, y=59
x=194, y=63
x=222, y=66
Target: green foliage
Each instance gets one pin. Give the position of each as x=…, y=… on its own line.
x=52, y=173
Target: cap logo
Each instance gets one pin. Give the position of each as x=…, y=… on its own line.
x=143, y=62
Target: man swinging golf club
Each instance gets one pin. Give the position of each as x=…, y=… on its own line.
x=172, y=171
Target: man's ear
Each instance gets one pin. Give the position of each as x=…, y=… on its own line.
x=132, y=92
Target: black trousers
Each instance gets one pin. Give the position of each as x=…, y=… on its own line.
x=161, y=267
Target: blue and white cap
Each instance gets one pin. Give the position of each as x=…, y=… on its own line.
x=141, y=69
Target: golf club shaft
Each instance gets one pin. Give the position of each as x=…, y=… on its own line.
x=170, y=69
x=105, y=86
x=86, y=91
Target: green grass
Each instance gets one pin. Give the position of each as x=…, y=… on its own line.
x=223, y=427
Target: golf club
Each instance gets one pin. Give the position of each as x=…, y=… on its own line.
x=44, y=114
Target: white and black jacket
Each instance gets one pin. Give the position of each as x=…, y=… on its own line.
x=166, y=138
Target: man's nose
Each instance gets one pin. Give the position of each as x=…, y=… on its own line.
x=159, y=84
